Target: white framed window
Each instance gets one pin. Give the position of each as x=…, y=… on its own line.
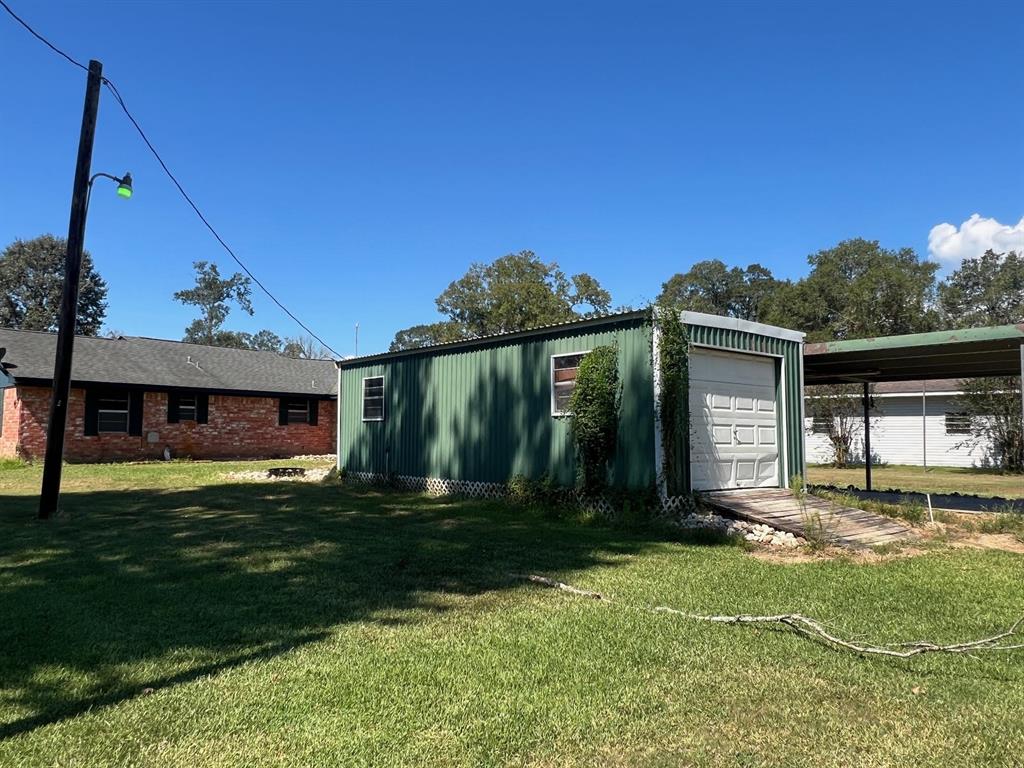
x=820, y=425
x=112, y=412
x=373, y=398
x=563, y=380
x=958, y=424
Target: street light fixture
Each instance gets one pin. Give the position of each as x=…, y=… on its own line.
x=124, y=183
x=124, y=188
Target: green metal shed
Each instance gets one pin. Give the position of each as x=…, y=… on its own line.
x=467, y=416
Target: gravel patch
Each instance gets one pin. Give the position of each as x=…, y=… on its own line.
x=758, y=533
x=262, y=476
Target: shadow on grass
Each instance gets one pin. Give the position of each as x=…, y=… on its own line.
x=142, y=589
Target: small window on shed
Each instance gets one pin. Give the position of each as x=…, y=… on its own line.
x=112, y=412
x=373, y=398
x=958, y=424
x=563, y=380
x=820, y=425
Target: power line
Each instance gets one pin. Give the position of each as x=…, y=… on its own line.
x=124, y=107
x=117, y=96
x=40, y=38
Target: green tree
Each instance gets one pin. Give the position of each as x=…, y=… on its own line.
x=858, y=289
x=594, y=408
x=993, y=407
x=512, y=293
x=988, y=290
x=837, y=409
x=31, y=283
x=213, y=295
x=264, y=341
x=427, y=335
x=710, y=286
x=305, y=347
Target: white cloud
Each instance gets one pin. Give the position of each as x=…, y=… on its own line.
x=951, y=245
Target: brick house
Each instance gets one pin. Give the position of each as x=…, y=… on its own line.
x=132, y=398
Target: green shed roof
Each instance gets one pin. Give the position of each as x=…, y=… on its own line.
x=568, y=326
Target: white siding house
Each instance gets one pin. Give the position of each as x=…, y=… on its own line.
x=915, y=423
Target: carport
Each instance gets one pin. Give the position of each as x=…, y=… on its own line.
x=964, y=354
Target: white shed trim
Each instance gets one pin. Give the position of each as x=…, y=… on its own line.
x=735, y=324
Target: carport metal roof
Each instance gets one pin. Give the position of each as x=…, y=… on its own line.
x=963, y=354
x=997, y=350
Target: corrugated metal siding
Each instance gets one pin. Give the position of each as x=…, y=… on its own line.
x=897, y=435
x=484, y=414
x=787, y=381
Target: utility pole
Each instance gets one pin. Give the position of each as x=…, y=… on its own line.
x=50, y=492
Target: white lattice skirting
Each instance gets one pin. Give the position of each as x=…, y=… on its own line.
x=442, y=486
x=436, y=486
x=676, y=505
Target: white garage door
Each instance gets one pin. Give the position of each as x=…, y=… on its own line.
x=734, y=440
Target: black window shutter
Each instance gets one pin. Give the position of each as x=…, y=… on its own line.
x=282, y=412
x=202, y=408
x=135, y=400
x=91, y=424
x=314, y=411
x=172, y=407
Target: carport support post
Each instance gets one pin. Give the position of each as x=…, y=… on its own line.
x=867, y=438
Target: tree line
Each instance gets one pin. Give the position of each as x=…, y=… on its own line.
x=852, y=290
x=856, y=289
x=859, y=289
x=32, y=278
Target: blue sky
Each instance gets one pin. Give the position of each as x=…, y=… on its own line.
x=359, y=156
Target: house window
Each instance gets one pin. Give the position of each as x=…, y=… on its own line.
x=112, y=412
x=298, y=411
x=820, y=425
x=958, y=424
x=187, y=408
x=563, y=380
x=373, y=398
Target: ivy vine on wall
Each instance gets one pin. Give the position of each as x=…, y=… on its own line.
x=674, y=372
x=594, y=406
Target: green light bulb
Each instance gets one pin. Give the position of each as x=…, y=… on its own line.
x=124, y=187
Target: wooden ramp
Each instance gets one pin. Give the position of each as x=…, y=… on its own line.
x=778, y=508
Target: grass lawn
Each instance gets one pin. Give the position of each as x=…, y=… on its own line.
x=931, y=480
x=170, y=618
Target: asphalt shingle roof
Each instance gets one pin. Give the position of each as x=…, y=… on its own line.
x=147, y=362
